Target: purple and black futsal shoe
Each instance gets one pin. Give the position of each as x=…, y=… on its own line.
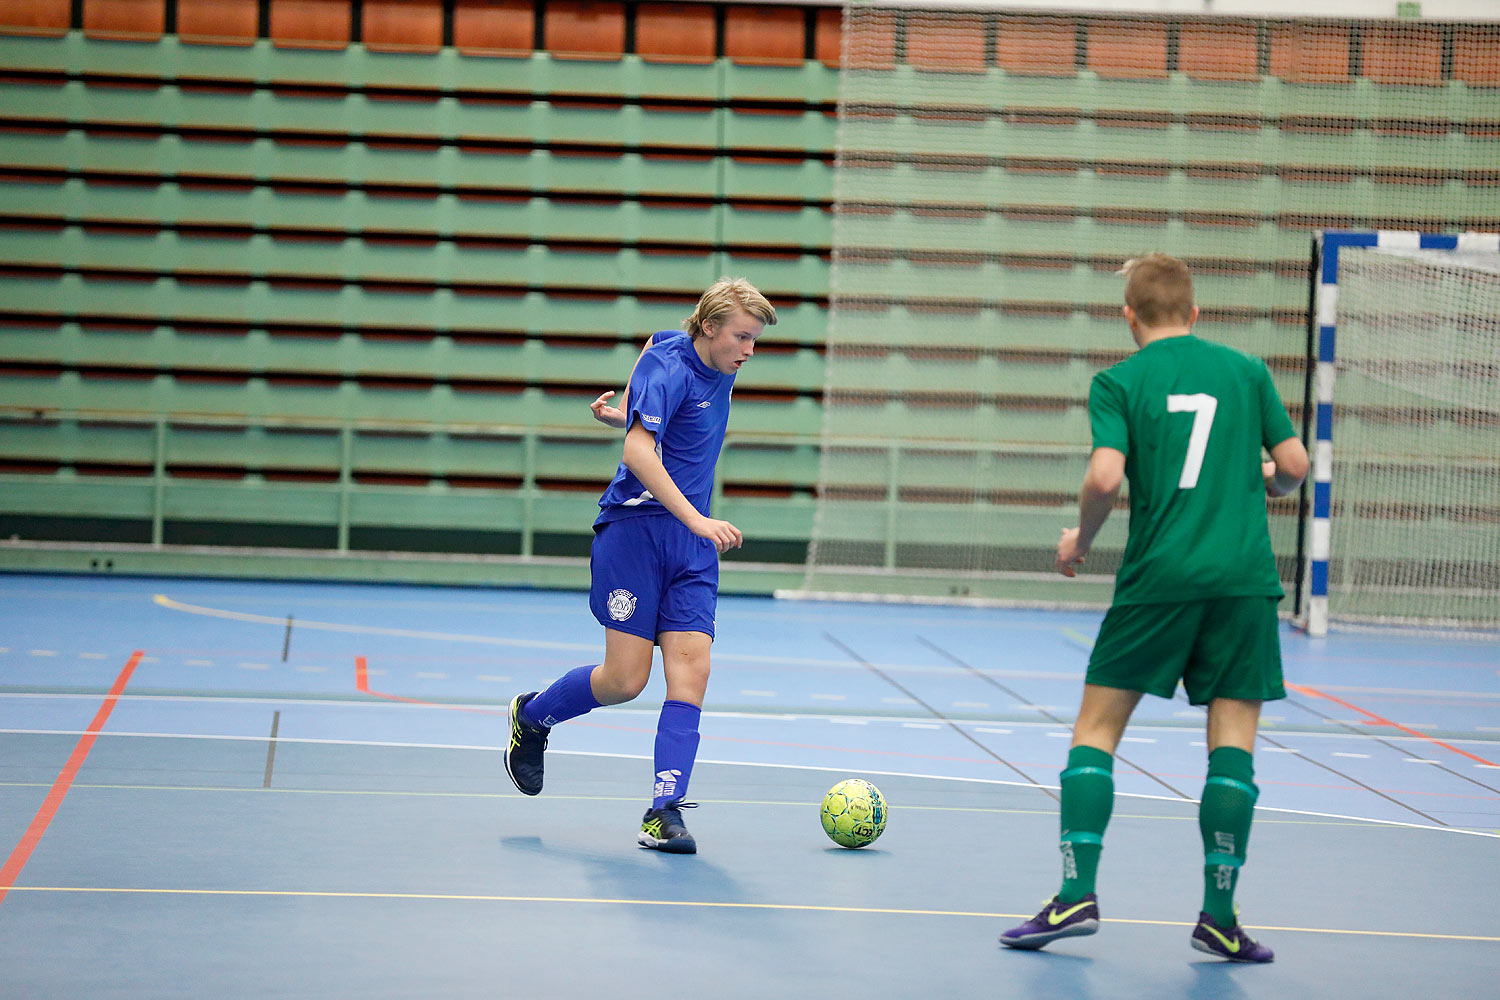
x=1057, y=920
x=523, y=754
x=662, y=829
x=1228, y=942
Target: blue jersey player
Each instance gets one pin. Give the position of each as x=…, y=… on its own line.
x=655, y=558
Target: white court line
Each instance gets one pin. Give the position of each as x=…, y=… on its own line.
x=1357, y=756
x=1031, y=786
x=768, y=715
x=44, y=652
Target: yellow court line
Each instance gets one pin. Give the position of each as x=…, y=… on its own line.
x=705, y=904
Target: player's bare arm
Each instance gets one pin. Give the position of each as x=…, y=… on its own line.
x=641, y=459
x=614, y=416
x=1101, y=485
x=1287, y=468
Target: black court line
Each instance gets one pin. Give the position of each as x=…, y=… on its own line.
x=286, y=643
x=1061, y=722
x=271, y=748
x=936, y=714
x=1349, y=778
x=1387, y=744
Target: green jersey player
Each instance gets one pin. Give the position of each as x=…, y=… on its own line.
x=1185, y=421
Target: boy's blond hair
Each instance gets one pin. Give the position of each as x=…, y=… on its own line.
x=721, y=300
x=1159, y=289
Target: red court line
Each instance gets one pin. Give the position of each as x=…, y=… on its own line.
x=50, y=804
x=1376, y=720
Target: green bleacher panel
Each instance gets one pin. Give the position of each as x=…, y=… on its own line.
x=73, y=442
x=262, y=303
x=1041, y=423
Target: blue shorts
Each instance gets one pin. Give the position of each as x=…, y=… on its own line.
x=650, y=574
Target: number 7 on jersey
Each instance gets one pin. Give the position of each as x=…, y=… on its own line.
x=1202, y=406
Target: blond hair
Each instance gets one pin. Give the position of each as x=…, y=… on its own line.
x=1159, y=289
x=722, y=299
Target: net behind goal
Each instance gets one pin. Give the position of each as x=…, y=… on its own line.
x=996, y=167
x=1407, y=506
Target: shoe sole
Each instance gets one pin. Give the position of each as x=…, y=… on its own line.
x=1209, y=949
x=1035, y=941
x=511, y=718
x=666, y=846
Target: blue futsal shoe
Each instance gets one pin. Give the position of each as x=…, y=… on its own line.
x=1057, y=920
x=523, y=754
x=662, y=829
x=1228, y=942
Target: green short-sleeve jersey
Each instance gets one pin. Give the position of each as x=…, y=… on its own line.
x=1191, y=417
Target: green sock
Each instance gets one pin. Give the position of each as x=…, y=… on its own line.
x=1224, y=820
x=1088, y=795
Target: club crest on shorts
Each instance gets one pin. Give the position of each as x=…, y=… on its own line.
x=621, y=604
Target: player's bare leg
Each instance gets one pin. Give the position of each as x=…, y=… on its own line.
x=1086, y=802
x=685, y=664
x=1224, y=817
x=622, y=675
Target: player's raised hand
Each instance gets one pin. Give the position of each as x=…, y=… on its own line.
x=606, y=414
x=724, y=535
x=1068, y=552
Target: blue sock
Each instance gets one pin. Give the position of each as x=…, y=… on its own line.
x=568, y=697
x=676, y=749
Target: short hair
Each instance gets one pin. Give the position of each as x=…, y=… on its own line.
x=722, y=298
x=1159, y=289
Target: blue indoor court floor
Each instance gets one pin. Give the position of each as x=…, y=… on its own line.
x=232, y=789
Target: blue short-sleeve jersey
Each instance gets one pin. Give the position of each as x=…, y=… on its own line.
x=685, y=404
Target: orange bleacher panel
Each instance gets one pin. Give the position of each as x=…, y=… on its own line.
x=1036, y=46
x=583, y=30
x=1209, y=51
x=675, y=32
x=766, y=36
x=953, y=43
x=1404, y=54
x=143, y=20
x=403, y=25
x=1476, y=54
x=310, y=24
x=494, y=27
x=222, y=22
x=828, y=36
x=873, y=46
x=1310, y=53
x=35, y=17
x=1128, y=50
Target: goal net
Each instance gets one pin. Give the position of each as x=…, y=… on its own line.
x=1415, y=439
x=995, y=167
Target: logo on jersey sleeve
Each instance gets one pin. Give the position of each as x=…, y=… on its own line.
x=705, y=404
x=621, y=604
x=646, y=418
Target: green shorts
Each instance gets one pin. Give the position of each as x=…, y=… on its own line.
x=1226, y=647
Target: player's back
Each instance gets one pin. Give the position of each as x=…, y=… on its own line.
x=1192, y=417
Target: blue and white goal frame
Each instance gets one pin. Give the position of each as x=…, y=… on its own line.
x=1327, y=245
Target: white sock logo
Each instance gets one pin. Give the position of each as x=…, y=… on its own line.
x=666, y=784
